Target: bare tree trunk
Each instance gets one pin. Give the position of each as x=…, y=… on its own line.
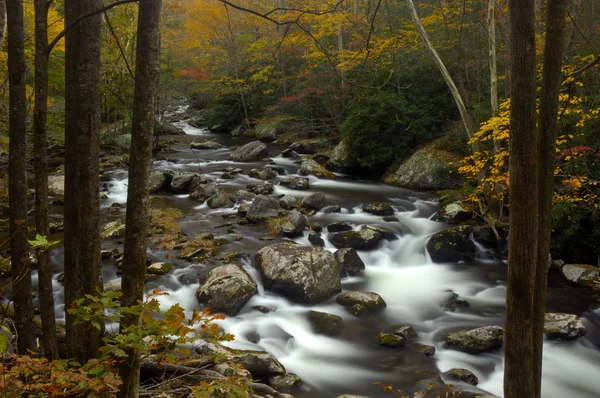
x=281, y=30
x=492, y=57
x=466, y=117
x=82, y=207
x=147, y=78
x=548, y=126
x=17, y=179
x=522, y=253
x=2, y=22
x=49, y=342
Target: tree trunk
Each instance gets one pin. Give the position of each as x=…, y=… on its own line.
x=147, y=77
x=17, y=179
x=492, y=57
x=49, y=343
x=2, y=22
x=466, y=117
x=82, y=207
x=548, y=126
x=281, y=31
x=522, y=253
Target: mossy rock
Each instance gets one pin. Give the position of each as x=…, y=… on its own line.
x=390, y=340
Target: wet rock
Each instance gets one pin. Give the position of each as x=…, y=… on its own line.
x=250, y=152
x=227, y=176
x=203, y=192
x=206, y=145
x=581, y=274
x=341, y=158
x=280, y=170
x=113, y=286
x=159, y=268
x=478, y=340
x=181, y=181
x=427, y=350
x=284, y=382
x=407, y=331
x=288, y=202
x=455, y=303
x=364, y=239
x=243, y=209
x=156, y=181
x=166, y=128
x=242, y=194
x=332, y=209
x=316, y=201
x=563, y=326
x=428, y=169
x=311, y=167
x=301, y=273
x=391, y=219
x=315, y=239
x=452, y=245
x=56, y=226
x=262, y=308
x=379, y=209
x=220, y=201
x=56, y=185
x=295, y=224
x=112, y=230
x=238, y=130
x=361, y=302
x=260, y=188
x=289, y=153
x=299, y=183
x=266, y=132
x=453, y=213
x=227, y=289
x=263, y=207
x=309, y=146
x=463, y=375
x=326, y=324
x=260, y=364
x=390, y=340
x=339, y=226
x=433, y=386
x=350, y=262
x=265, y=174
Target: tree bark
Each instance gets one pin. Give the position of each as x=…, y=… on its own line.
x=17, y=179
x=522, y=253
x=40, y=111
x=466, y=117
x=147, y=77
x=2, y=22
x=548, y=126
x=82, y=207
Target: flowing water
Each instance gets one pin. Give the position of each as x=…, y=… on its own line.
x=400, y=270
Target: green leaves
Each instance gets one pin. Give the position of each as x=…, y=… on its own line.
x=42, y=243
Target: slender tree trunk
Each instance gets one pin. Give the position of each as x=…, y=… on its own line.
x=492, y=57
x=548, y=126
x=522, y=253
x=2, y=22
x=147, y=78
x=466, y=117
x=17, y=179
x=49, y=342
x=281, y=30
x=82, y=207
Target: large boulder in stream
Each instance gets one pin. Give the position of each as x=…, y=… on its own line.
x=265, y=174
x=266, y=132
x=250, y=152
x=263, y=207
x=326, y=324
x=478, y=340
x=300, y=273
x=312, y=167
x=205, y=145
x=299, y=183
x=379, y=209
x=341, y=159
x=112, y=230
x=310, y=146
x=316, y=201
x=181, y=182
x=453, y=213
x=581, y=274
x=563, y=326
x=361, y=303
x=156, y=181
x=350, y=262
x=365, y=238
x=227, y=289
x=452, y=245
x=294, y=225
x=166, y=128
x=260, y=364
x=428, y=169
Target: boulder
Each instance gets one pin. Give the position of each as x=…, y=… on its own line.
x=295, y=224
x=112, y=230
x=203, y=192
x=227, y=289
x=266, y=132
x=220, y=201
x=260, y=364
x=301, y=273
x=243, y=209
x=360, y=303
x=299, y=183
x=563, y=326
x=156, y=181
x=250, y=152
x=341, y=159
x=311, y=167
x=316, y=201
x=407, y=331
x=260, y=188
x=452, y=245
x=159, y=268
x=478, y=340
x=166, y=128
x=181, y=181
x=56, y=185
x=238, y=130
x=427, y=350
x=315, y=239
x=339, y=226
x=390, y=340
x=265, y=174
x=326, y=324
x=581, y=274
x=288, y=202
x=379, y=209
x=263, y=207
x=206, y=145
x=285, y=382
x=453, y=213
x=242, y=194
x=428, y=169
x=364, y=239
x=350, y=262
x=464, y=375
x=309, y=146
x=453, y=303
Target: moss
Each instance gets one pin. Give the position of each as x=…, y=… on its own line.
x=273, y=225
x=165, y=220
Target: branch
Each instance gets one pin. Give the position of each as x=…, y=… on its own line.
x=595, y=62
x=112, y=31
x=81, y=18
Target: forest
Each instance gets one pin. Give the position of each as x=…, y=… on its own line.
x=300, y=198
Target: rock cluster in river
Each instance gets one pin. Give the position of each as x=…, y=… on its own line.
x=226, y=290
